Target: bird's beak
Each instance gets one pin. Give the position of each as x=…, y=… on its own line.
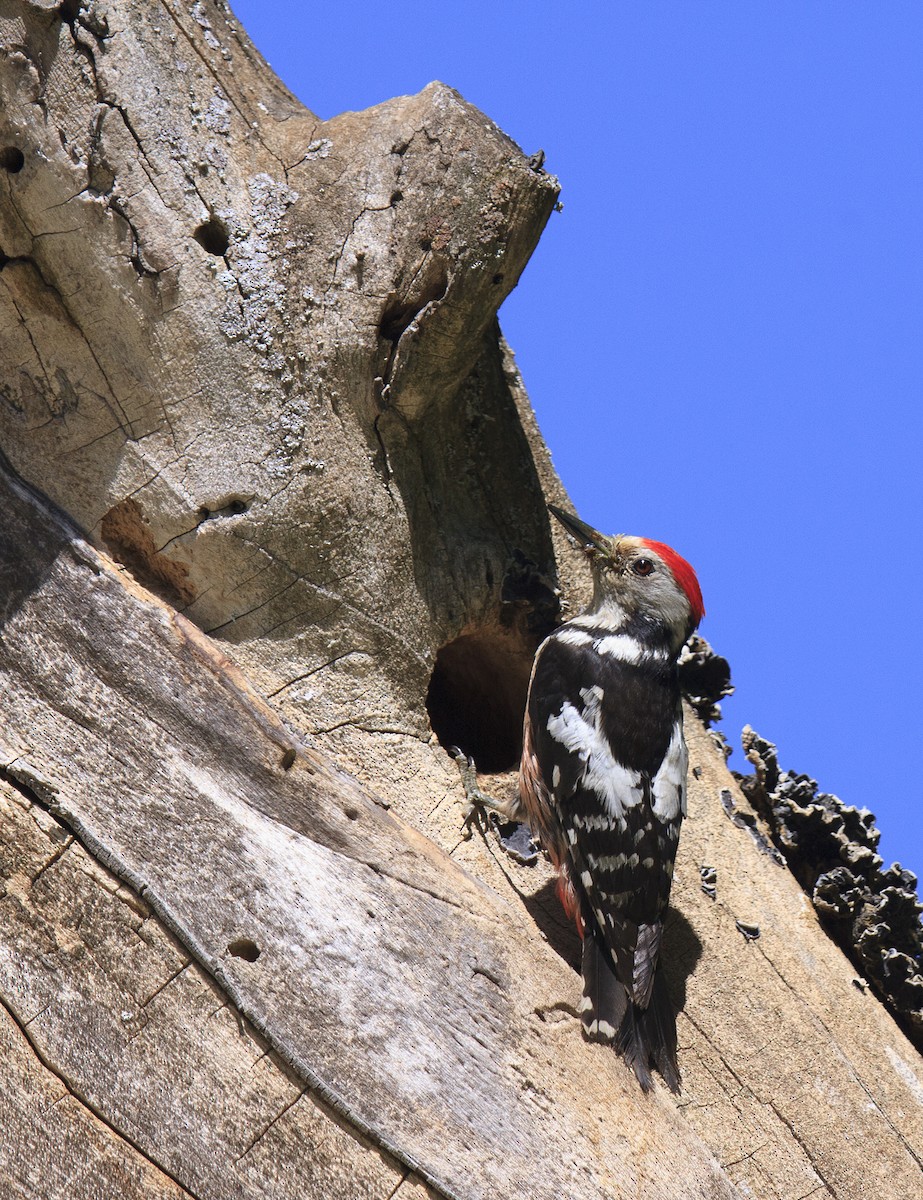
x=587, y=537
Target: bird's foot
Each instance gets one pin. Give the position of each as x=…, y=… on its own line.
x=514, y=836
x=478, y=801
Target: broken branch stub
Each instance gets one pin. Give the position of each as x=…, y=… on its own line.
x=255, y=352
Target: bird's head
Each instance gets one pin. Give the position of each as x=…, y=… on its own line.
x=639, y=578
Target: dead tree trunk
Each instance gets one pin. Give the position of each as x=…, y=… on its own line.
x=283, y=538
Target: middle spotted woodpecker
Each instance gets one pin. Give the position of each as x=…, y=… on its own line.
x=603, y=781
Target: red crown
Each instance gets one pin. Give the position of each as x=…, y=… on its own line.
x=684, y=575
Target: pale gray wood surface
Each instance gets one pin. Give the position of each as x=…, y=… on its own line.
x=85, y=963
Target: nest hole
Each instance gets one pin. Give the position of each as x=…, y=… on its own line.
x=12, y=159
x=477, y=696
x=212, y=235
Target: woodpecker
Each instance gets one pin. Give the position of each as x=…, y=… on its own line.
x=603, y=781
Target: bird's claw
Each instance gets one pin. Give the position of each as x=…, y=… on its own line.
x=477, y=800
x=515, y=838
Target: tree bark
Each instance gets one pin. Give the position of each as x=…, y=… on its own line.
x=284, y=540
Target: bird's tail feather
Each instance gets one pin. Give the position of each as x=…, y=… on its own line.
x=605, y=1002
x=657, y=1026
x=642, y=1036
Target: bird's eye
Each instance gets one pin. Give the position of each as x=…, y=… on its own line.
x=642, y=566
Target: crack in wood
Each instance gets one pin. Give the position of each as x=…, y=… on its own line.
x=815, y=1018
x=35, y=1016
x=805, y=1150
x=88, y=1104
x=266, y=1128
x=397, y=1187
x=358, y=615
x=854, y=1074
x=221, y=82
x=45, y=796
x=137, y=1033
x=166, y=983
x=425, y=891
x=56, y=856
x=771, y=1104
x=742, y=1086
x=121, y=417
x=25, y=325
x=313, y=671
x=744, y=1157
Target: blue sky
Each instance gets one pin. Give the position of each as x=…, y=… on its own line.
x=722, y=333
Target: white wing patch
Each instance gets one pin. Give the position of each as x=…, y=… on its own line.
x=669, y=784
x=581, y=733
x=572, y=637
x=624, y=648
x=620, y=646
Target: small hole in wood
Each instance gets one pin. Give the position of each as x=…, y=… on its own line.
x=12, y=159
x=228, y=506
x=498, y=278
x=351, y=814
x=288, y=759
x=244, y=948
x=397, y=197
x=213, y=237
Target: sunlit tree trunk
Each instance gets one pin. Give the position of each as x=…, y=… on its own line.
x=274, y=537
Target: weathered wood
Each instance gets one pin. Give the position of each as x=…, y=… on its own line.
x=388, y=980
x=54, y=1145
x=794, y=1075
x=254, y=353
x=86, y=963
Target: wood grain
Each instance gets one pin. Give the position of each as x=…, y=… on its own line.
x=384, y=979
